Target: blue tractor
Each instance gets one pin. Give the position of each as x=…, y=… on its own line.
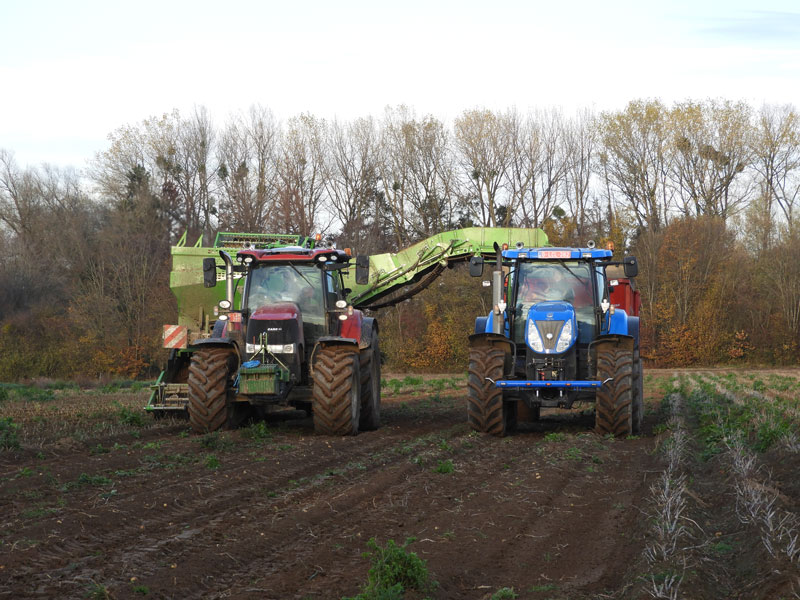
x=554, y=338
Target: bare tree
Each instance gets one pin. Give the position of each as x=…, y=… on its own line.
x=776, y=147
x=247, y=155
x=538, y=165
x=196, y=173
x=301, y=178
x=352, y=182
x=416, y=172
x=635, y=160
x=711, y=153
x=581, y=140
x=483, y=144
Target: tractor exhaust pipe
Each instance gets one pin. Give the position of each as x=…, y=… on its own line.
x=226, y=258
x=497, y=291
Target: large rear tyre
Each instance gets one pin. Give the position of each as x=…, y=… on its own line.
x=336, y=391
x=209, y=388
x=613, y=410
x=370, y=364
x=485, y=408
x=637, y=407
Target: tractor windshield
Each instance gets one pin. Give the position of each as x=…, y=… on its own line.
x=568, y=281
x=301, y=284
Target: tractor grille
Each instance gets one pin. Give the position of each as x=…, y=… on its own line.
x=551, y=327
x=278, y=332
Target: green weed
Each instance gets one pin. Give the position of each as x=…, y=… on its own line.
x=212, y=462
x=32, y=394
x=8, y=434
x=126, y=416
x=96, y=591
x=721, y=548
x=99, y=449
x=505, y=593
x=258, y=432
x=85, y=479
x=545, y=587
x=444, y=467
x=394, y=570
x=555, y=437
x=215, y=441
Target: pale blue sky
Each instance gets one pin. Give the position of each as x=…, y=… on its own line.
x=71, y=72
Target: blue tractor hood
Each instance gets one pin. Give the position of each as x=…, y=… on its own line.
x=551, y=327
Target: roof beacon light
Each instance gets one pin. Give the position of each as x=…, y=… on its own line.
x=317, y=237
x=610, y=246
x=505, y=247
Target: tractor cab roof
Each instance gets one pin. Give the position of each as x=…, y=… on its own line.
x=558, y=254
x=293, y=254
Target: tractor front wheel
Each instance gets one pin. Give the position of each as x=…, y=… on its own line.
x=486, y=411
x=613, y=411
x=336, y=391
x=209, y=388
x=370, y=364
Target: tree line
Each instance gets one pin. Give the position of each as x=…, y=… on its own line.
x=703, y=192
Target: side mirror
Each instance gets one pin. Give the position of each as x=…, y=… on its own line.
x=476, y=266
x=631, y=266
x=209, y=272
x=362, y=270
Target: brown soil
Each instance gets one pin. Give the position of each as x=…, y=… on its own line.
x=154, y=512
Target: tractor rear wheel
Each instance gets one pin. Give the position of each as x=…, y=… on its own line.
x=370, y=364
x=336, y=391
x=637, y=407
x=613, y=411
x=209, y=388
x=486, y=411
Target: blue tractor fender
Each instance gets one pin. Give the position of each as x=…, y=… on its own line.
x=482, y=325
x=621, y=324
x=615, y=323
x=633, y=330
x=486, y=324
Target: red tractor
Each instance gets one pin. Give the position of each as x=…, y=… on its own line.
x=293, y=341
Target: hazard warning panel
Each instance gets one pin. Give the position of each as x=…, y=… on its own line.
x=175, y=336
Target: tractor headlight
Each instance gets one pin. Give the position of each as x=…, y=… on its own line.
x=565, y=338
x=280, y=348
x=534, y=337
x=224, y=304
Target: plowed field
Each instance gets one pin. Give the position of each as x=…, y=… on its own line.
x=96, y=504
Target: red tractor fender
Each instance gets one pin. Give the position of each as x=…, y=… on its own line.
x=356, y=330
x=351, y=327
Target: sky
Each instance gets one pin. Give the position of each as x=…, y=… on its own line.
x=74, y=71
